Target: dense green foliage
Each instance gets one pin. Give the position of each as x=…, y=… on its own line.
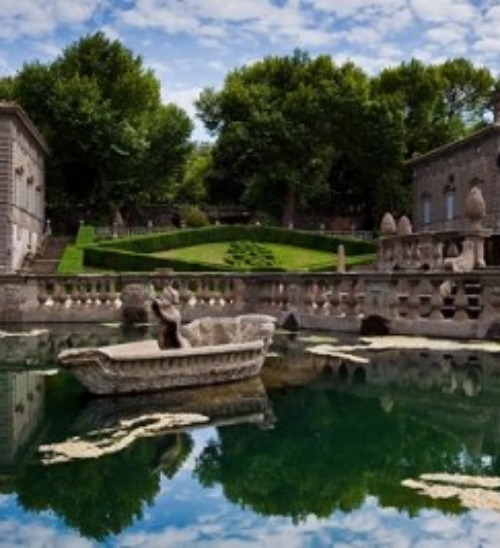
x=293, y=134
x=287, y=127
x=440, y=103
x=249, y=254
x=113, y=142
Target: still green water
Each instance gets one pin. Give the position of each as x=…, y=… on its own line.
x=314, y=453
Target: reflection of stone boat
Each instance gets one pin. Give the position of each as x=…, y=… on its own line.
x=219, y=405
x=109, y=425
x=215, y=350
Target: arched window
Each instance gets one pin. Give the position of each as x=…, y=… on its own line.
x=449, y=205
x=426, y=209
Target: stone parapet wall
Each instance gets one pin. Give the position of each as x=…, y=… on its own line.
x=446, y=304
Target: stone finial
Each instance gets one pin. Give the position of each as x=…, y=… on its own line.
x=388, y=225
x=475, y=207
x=404, y=226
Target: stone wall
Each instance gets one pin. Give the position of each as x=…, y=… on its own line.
x=445, y=303
x=22, y=188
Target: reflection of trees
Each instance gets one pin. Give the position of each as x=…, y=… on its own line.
x=327, y=452
x=102, y=496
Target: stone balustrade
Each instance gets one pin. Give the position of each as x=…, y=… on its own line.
x=446, y=303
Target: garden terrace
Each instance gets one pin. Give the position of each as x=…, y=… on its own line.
x=140, y=253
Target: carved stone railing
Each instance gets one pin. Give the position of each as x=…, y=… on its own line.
x=458, y=305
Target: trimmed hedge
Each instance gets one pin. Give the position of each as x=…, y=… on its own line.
x=134, y=253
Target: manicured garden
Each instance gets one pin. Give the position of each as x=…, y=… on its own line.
x=216, y=248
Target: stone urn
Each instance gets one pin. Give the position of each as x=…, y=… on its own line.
x=475, y=208
x=388, y=225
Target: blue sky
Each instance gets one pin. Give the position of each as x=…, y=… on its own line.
x=192, y=44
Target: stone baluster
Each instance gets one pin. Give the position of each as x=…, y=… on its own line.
x=334, y=297
x=491, y=302
x=414, y=299
x=437, y=300
x=60, y=296
x=42, y=293
x=351, y=301
x=321, y=299
x=402, y=296
x=113, y=294
x=310, y=298
x=265, y=296
x=228, y=293
x=275, y=296
x=240, y=290
x=93, y=293
x=104, y=293
x=216, y=290
x=83, y=295
x=393, y=300
x=460, y=302
x=203, y=298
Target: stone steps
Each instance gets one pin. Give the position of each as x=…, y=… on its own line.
x=47, y=263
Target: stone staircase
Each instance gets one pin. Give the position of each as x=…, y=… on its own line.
x=47, y=262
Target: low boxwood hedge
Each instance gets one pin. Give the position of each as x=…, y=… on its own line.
x=134, y=253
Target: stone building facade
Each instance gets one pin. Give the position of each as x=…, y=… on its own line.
x=443, y=178
x=23, y=152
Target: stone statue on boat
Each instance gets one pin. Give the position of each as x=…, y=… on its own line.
x=203, y=352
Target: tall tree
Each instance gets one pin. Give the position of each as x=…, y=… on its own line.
x=269, y=118
x=440, y=103
x=290, y=128
x=100, y=109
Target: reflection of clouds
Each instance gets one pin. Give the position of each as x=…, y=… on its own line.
x=37, y=535
x=212, y=522
x=222, y=525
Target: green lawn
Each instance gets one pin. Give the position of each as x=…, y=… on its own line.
x=289, y=257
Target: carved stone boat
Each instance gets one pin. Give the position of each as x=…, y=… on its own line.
x=214, y=350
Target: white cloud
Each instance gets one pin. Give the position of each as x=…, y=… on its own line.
x=212, y=21
x=358, y=9
x=38, y=535
x=445, y=10
x=38, y=17
x=446, y=35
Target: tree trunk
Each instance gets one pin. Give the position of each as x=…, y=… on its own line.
x=116, y=215
x=289, y=207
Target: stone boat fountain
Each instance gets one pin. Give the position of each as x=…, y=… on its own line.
x=204, y=352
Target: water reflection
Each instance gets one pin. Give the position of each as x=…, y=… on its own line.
x=22, y=398
x=109, y=424
x=343, y=432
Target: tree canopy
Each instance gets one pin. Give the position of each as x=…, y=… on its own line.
x=281, y=127
x=440, y=103
x=295, y=131
x=291, y=133
x=112, y=139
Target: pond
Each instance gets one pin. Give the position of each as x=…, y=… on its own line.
x=393, y=447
